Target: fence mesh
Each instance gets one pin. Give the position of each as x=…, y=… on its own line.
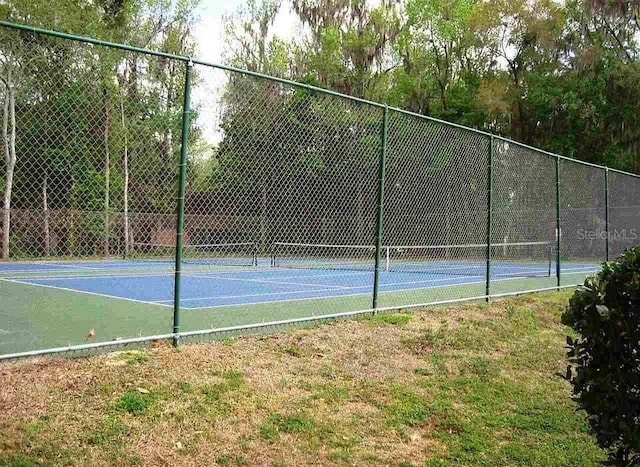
x=524, y=211
x=281, y=209
x=624, y=212
x=583, y=218
x=435, y=195
x=95, y=165
x=90, y=175
x=290, y=167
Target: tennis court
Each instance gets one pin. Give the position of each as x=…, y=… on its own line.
x=54, y=303
x=306, y=205
x=219, y=282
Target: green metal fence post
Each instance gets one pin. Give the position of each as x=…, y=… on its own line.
x=182, y=181
x=489, y=215
x=606, y=211
x=558, y=229
x=381, y=175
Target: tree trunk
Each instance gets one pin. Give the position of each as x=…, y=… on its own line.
x=360, y=218
x=447, y=213
x=263, y=220
x=9, y=140
x=125, y=194
x=107, y=173
x=45, y=213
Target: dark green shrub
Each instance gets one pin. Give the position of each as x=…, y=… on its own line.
x=605, y=358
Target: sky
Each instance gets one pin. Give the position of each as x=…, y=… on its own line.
x=209, y=35
x=209, y=30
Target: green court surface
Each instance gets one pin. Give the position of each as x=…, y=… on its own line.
x=36, y=317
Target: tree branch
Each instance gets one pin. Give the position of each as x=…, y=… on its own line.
x=617, y=39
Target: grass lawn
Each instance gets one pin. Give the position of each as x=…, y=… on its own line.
x=473, y=384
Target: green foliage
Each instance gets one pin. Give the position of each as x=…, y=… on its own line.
x=133, y=402
x=233, y=378
x=18, y=463
x=293, y=350
x=297, y=422
x=133, y=358
x=548, y=74
x=227, y=460
x=554, y=75
x=605, y=363
x=393, y=319
x=481, y=367
x=110, y=430
x=185, y=386
x=75, y=101
x=407, y=408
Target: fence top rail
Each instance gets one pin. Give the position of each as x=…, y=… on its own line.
x=570, y=159
x=443, y=122
x=308, y=87
x=622, y=172
x=90, y=40
x=129, y=48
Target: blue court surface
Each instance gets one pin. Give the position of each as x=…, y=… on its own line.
x=207, y=287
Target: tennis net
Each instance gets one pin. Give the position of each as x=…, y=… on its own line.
x=521, y=259
x=222, y=254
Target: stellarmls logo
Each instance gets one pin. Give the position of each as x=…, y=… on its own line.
x=598, y=234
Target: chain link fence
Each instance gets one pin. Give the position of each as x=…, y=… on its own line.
x=151, y=197
x=583, y=212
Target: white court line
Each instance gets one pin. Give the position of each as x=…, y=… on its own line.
x=75, y=266
x=83, y=292
x=368, y=293
x=40, y=271
x=444, y=279
x=328, y=286
x=336, y=274
x=32, y=271
x=160, y=303
x=331, y=296
x=578, y=272
x=327, y=289
x=99, y=276
x=265, y=281
x=581, y=268
x=253, y=295
x=369, y=286
x=120, y=274
x=215, y=275
x=276, y=301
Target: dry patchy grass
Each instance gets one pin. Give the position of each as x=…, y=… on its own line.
x=466, y=385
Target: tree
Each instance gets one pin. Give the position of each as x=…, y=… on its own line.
x=604, y=368
x=348, y=44
x=82, y=90
x=437, y=48
x=523, y=37
x=9, y=149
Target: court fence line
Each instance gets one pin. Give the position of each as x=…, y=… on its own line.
x=295, y=164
